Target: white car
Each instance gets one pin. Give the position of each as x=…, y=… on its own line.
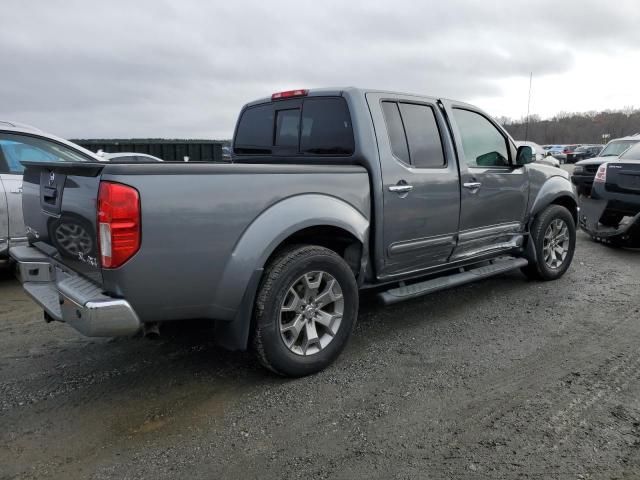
x=129, y=157
x=540, y=153
x=13, y=150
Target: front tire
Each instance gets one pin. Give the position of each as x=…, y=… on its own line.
x=305, y=311
x=553, y=234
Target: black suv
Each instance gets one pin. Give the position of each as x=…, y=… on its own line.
x=585, y=170
x=583, y=152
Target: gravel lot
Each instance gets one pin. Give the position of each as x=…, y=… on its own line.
x=500, y=379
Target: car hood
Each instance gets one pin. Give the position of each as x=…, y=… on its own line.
x=596, y=160
x=548, y=170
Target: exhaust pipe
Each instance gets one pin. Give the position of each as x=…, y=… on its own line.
x=151, y=330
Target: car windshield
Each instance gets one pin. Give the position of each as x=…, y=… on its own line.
x=632, y=154
x=614, y=149
x=17, y=148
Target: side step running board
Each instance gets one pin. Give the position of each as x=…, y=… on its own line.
x=429, y=286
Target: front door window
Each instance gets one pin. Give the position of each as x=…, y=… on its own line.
x=483, y=144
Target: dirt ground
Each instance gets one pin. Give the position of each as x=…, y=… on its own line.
x=500, y=379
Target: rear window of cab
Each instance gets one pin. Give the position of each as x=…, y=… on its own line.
x=309, y=126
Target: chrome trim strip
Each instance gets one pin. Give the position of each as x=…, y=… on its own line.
x=399, y=248
x=515, y=242
x=468, y=235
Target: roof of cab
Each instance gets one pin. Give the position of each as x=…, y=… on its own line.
x=340, y=91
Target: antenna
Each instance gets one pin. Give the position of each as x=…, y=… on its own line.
x=526, y=130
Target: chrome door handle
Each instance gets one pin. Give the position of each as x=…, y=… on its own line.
x=472, y=185
x=400, y=188
x=18, y=190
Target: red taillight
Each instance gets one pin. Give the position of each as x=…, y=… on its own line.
x=601, y=174
x=118, y=223
x=289, y=94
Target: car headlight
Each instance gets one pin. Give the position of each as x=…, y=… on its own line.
x=578, y=170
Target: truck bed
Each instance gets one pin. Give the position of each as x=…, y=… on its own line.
x=193, y=221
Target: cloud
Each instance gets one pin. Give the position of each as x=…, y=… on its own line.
x=184, y=68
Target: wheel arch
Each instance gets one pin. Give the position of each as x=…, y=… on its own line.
x=556, y=190
x=311, y=218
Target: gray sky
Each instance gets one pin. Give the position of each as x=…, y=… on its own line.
x=183, y=68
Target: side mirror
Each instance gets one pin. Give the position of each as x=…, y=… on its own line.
x=525, y=155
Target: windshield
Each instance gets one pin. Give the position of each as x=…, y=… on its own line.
x=16, y=148
x=614, y=149
x=632, y=154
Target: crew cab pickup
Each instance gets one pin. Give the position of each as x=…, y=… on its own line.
x=330, y=191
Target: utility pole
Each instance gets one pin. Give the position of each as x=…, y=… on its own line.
x=526, y=129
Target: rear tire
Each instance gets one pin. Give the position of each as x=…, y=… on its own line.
x=553, y=234
x=305, y=311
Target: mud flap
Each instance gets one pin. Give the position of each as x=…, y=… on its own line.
x=234, y=335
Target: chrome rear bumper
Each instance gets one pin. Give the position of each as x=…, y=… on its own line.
x=70, y=298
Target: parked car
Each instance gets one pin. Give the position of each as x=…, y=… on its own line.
x=129, y=157
x=226, y=153
x=333, y=191
x=555, y=149
x=583, y=152
x=612, y=212
x=585, y=170
x=13, y=153
x=539, y=153
x=12, y=229
x=568, y=150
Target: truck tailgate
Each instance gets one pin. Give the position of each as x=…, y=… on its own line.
x=59, y=203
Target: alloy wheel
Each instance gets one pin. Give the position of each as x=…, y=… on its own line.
x=555, y=245
x=311, y=313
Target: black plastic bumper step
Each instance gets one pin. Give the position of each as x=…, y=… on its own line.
x=414, y=290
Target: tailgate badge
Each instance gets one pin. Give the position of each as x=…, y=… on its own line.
x=52, y=178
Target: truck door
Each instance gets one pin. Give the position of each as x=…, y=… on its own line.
x=421, y=192
x=495, y=191
x=11, y=179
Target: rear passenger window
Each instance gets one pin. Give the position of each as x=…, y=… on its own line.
x=414, y=134
x=326, y=127
x=423, y=136
x=395, y=129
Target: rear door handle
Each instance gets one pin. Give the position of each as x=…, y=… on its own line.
x=472, y=185
x=18, y=190
x=400, y=188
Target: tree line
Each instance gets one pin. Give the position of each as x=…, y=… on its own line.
x=567, y=128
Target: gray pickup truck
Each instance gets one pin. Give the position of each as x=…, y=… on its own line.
x=330, y=192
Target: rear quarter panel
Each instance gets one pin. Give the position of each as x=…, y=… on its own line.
x=204, y=233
